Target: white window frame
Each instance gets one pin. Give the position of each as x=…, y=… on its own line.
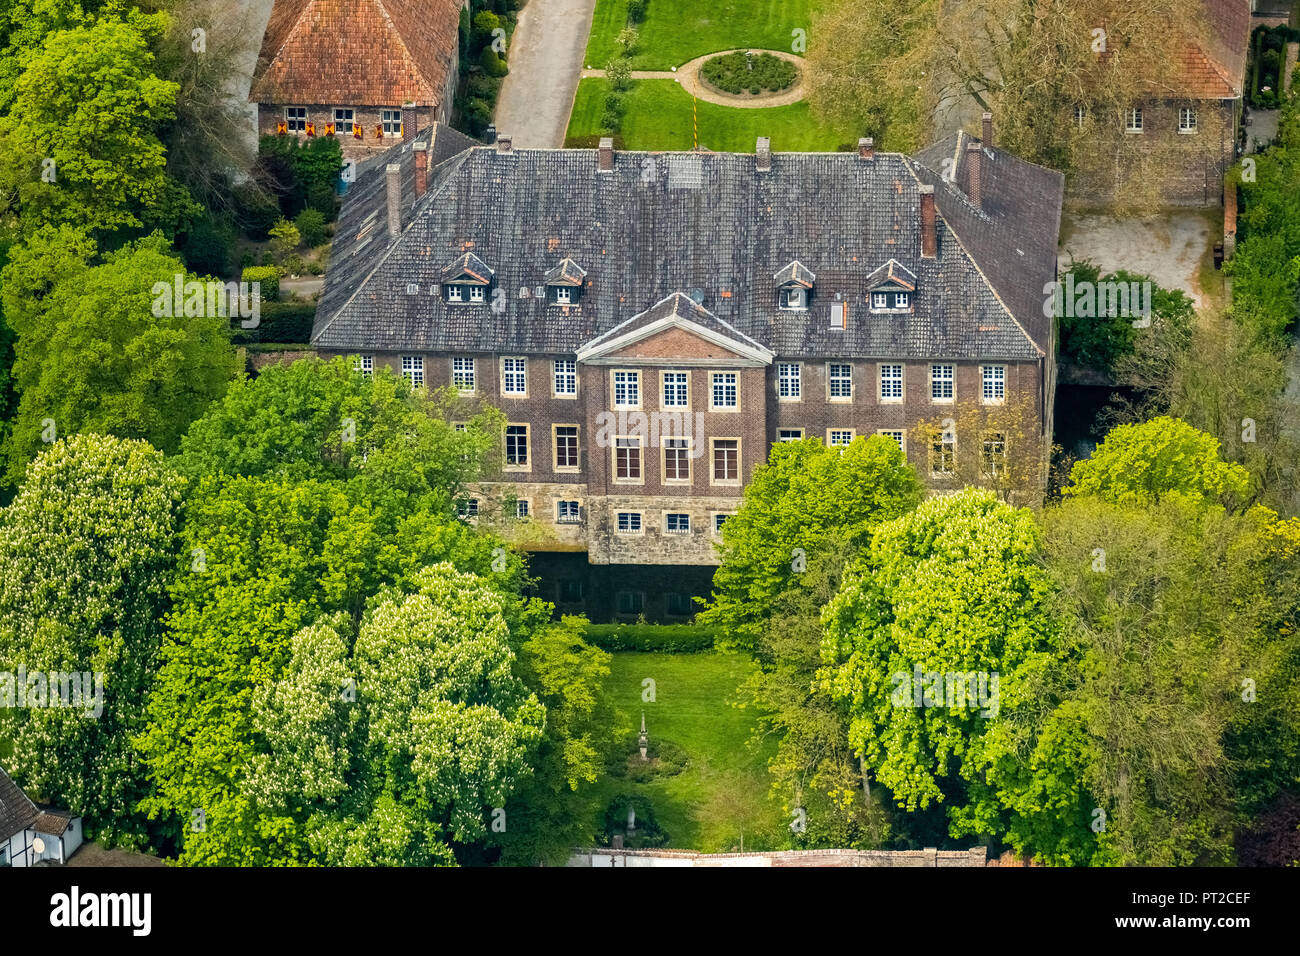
x=476, y=293
x=789, y=382
x=897, y=434
x=945, y=447
x=631, y=385
x=719, y=380
x=293, y=121
x=939, y=382
x=560, y=508
x=527, y=508
x=509, y=374
x=413, y=370
x=464, y=369
x=527, y=463
x=1080, y=116
x=564, y=372
x=639, y=447
x=789, y=434
x=563, y=295
x=680, y=529
x=902, y=300
x=675, y=384
x=1188, y=121
x=719, y=519
x=987, y=439
x=339, y=123
x=794, y=300
x=633, y=518
x=467, y=508
x=993, y=379
x=832, y=380
x=391, y=120
x=880, y=301
x=832, y=432
x=1133, y=120
x=365, y=364
x=891, y=382
x=455, y=293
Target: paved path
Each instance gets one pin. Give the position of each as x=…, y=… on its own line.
x=545, y=58
x=688, y=75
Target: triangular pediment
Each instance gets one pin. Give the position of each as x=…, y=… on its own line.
x=675, y=330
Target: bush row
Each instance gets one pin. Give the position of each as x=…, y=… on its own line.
x=665, y=638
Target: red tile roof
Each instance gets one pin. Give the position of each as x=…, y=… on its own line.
x=357, y=52
x=1213, y=67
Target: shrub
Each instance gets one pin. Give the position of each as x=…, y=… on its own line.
x=269, y=277
x=482, y=86
x=735, y=73
x=311, y=227
x=279, y=322
x=627, y=39
x=492, y=64
x=636, y=11
x=284, y=238
x=256, y=211
x=619, y=73
x=665, y=638
x=209, y=246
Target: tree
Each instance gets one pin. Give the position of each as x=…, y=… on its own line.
x=932, y=641
x=87, y=550
x=1093, y=338
x=86, y=113
x=284, y=238
x=1140, y=464
x=805, y=496
x=548, y=815
x=93, y=356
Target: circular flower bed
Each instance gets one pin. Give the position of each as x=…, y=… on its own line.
x=748, y=72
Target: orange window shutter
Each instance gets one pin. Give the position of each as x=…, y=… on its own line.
x=329, y=129
x=282, y=128
x=356, y=130
x=379, y=129
x=311, y=129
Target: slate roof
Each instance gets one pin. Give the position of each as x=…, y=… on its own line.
x=895, y=272
x=661, y=223
x=357, y=52
x=567, y=272
x=468, y=266
x=678, y=305
x=796, y=273
x=17, y=812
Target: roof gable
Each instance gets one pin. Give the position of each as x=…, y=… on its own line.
x=676, y=327
x=893, y=273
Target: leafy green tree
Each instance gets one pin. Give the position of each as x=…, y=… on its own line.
x=1140, y=464
x=933, y=640
x=92, y=356
x=87, y=550
x=1097, y=340
x=80, y=140
x=551, y=812
x=802, y=498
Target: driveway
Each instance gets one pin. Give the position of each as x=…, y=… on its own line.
x=545, y=58
x=1171, y=248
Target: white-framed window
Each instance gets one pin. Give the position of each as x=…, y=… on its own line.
x=677, y=523
x=839, y=437
x=464, y=375
x=629, y=522
x=295, y=118
x=365, y=364
x=677, y=389
x=839, y=316
x=392, y=120
x=343, y=120
x=566, y=447
x=795, y=300
x=1080, y=116
x=943, y=455
x=725, y=393
x=467, y=508
x=880, y=300
x=566, y=377
x=840, y=382
x=567, y=512
x=993, y=459
x=789, y=434
x=455, y=293
x=994, y=378
x=627, y=389
x=718, y=521
x=789, y=381
x=522, y=508
x=1187, y=119
x=902, y=300
x=517, y=446
x=413, y=370
x=514, y=376
x=898, y=436
x=941, y=378
x=677, y=459
x=1133, y=119
x=563, y=295
x=627, y=459
x=476, y=293
x=726, y=459
x=891, y=383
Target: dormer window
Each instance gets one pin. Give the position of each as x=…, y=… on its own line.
x=794, y=286
x=891, y=288
x=564, y=283
x=466, y=280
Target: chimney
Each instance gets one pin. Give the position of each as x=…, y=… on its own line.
x=763, y=155
x=986, y=136
x=393, y=178
x=606, y=155
x=410, y=122
x=866, y=148
x=975, y=173
x=929, y=244
x=421, y=168
x=503, y=143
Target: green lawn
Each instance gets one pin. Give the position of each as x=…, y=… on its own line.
x=723, y=790
x=658, y=116
x=676, y=31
